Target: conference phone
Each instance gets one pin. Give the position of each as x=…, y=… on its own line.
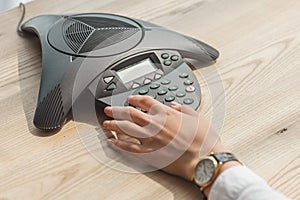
x=110, y=57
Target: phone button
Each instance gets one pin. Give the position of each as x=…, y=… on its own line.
x=168, y=62
x=143, y=91
x=154, y=86
x=180, y=94
x=147, y=81
x=152, y=95
x=112, y=86
x=190, y=88
x=173, y=88
x=135, y=85
x=162, y=92
x=188, y=82
x=165, y=82
x=108, y=79
x=169, y=98
x=157, y=76
x=165, y=55
x=183, y=75
x=188, y=101
x=174, y=58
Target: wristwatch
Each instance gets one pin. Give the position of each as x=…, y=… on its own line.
x=208, y=167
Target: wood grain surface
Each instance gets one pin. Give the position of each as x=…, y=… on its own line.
x=259, y=69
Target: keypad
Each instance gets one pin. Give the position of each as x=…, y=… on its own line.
x=172, y=81
x=166, y=89
x=173, y=92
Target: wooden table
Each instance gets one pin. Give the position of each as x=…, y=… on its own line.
x=260, y=70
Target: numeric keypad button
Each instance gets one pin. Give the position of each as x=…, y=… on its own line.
x=188, y=101
x=190, y=88
x=154, y=86
x=162, y=91
x=143, y=91
x=183, y=75
x=152, y=95
x=169, y=98
x=180, y=94
x=188, y=82
x=165, y=82
x=173, y=88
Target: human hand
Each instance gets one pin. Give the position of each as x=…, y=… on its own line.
x=170, y=138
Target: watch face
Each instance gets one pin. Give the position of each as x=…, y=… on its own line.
x=205, y=171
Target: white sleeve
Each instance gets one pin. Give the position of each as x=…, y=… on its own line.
x=240, y=183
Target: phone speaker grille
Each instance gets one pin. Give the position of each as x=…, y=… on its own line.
x=85, y=34
x=105, y=37
x=49, y=113
x=75, y=34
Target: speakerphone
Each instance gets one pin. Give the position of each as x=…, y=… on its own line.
x=111, y=57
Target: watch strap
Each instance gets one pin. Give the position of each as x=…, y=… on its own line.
x=223, y=157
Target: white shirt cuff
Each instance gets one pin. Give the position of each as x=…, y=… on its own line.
x=241, y=183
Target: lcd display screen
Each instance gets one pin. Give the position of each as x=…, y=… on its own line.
x=136, y=70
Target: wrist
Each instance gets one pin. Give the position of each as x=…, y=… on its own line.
x=223, y=168
x=208, y=168
x=189, y=168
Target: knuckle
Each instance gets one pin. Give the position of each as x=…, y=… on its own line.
x=110, y=124
x=145, y=119
x=168, y=112
x=145, y=100
x=131, y=110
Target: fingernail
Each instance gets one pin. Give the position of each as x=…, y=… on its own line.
x=111, y=140
x=107, y=109
x=174, y=104
x=129, y=97
x=105, y=123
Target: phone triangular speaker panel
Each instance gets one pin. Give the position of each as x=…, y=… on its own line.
x=111, y=57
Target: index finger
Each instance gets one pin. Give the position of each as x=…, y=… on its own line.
x=145, y=102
